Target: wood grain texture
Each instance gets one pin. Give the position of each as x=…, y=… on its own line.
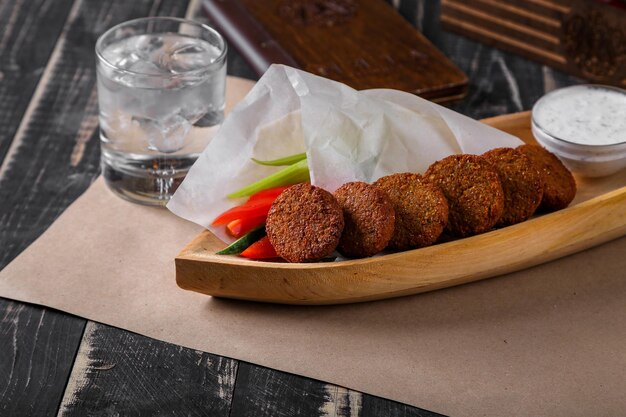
x=581, y=37
x=122, y=373
x=37, y=345
x=57, y=157
x=29, y=33
x=37, y=348
x=372, y=406
x=49, y=163
x=264, y=392
x=544, y=22
x=539, y=40
x=394, y=49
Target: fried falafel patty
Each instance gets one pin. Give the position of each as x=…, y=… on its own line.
x=305, y=223
x=560, y=186
x=421, y=210
x=521, y=182
x=369, y=219
x=473, y=190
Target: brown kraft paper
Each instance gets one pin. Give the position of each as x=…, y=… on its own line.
x=546, y=341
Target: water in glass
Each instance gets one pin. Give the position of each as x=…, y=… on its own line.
x=160, y=97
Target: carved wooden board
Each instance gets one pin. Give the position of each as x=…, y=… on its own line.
x=596, y=216
x=362, y=43
x=583, y=37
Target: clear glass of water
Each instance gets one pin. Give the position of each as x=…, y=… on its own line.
x=161, y=84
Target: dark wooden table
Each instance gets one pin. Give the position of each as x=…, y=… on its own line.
x=52, y=363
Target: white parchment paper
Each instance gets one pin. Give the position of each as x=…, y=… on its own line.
x=348, y=135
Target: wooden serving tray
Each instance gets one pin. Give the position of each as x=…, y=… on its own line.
x=597, y=215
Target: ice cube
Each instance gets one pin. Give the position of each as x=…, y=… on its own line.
x=146, y=67
x=126, y=52
x=175, y=133
x=192, y=55
x=144, y=45
x=193, y=111
x=166, y=136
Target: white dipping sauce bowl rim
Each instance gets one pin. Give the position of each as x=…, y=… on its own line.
x=575, y=87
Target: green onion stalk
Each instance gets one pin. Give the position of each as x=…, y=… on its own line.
x=293, y=174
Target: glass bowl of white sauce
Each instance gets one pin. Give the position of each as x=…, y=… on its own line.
x=585, y=126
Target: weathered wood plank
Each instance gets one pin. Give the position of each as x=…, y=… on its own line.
x=37, y=345
x=52, y=160
x=37, y=348
x=58, y=152
x=376, y=406
x=30, y=29
x=132, y=375
x=264, y=392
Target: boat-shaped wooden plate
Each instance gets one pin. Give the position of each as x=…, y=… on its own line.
x=597, y=215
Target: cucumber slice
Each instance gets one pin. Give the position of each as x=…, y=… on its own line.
x=243, y=242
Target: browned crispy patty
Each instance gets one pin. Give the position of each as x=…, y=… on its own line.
x=421, y=210
x=472, y=187
x=305, y=223
x=521, y=182
x=560, y=186
x=369, y=219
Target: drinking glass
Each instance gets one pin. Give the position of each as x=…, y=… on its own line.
x=161, y=84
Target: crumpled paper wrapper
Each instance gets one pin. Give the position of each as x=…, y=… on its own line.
x=348, y=135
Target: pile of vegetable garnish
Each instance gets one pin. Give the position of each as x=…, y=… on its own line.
x=247, y=221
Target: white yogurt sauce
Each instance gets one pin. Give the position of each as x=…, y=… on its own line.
x=585, y=114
